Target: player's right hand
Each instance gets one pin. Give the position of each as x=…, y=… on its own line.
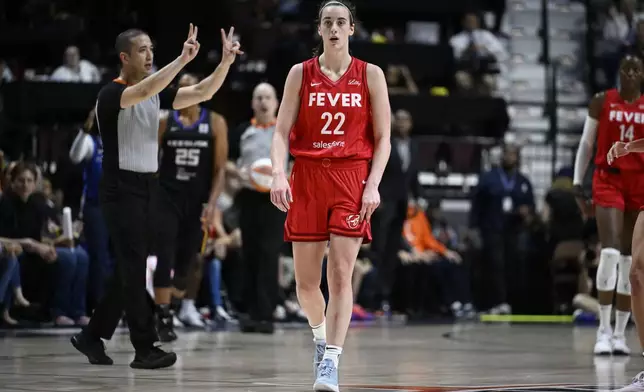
x=281, y=195
x=616, y=151
x=583, y=202
x=191, y=46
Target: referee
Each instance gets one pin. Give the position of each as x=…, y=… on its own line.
x=127, y=115
x=261, y=224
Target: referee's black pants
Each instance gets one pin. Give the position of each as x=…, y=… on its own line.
x=128, y=204
x=262, y=228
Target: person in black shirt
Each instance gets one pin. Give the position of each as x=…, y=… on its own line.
x=194, y=151
x=127, y=115
x=24, y=216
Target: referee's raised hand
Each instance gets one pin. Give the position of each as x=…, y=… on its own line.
x=191, y=46
x=230, y=48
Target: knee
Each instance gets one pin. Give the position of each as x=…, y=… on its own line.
x=307, y=286
x=607, y=269
x=65, y=258
x=82, y=258
x=12, y=263
x=636, y=273
x=339, y=276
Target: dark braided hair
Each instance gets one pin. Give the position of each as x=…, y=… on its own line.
x=352, y=19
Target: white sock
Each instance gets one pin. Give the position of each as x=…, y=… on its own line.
x=333, y=353
x=604, y=317
x=189, y=302
x=621, y=320
x=319, y=331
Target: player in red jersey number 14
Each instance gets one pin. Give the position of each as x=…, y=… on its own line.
x=614, y=116
x=335, y=117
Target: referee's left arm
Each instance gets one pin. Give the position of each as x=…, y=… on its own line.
x=202, y=91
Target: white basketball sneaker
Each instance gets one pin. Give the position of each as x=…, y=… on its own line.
x=619, y=345
x=603, y=346
x=637, y=385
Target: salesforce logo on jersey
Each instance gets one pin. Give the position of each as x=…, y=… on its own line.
x=332, y=144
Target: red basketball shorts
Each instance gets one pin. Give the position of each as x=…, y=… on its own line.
x=623, y=190
x=327, y=197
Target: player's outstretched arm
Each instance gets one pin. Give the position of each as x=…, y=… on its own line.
x=159, y=80
x=286, y=117
x=204, y=90
x=588, y=136
x=381, y=119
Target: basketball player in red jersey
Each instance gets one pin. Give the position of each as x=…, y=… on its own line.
x=614, y=116
x=335, y=116
x=624, y=148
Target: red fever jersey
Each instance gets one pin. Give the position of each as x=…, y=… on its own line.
x=332, y=142
x=624, y=188
x=334, y=120
x=620, y=121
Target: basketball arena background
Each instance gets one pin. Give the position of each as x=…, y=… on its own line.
x=532, y=92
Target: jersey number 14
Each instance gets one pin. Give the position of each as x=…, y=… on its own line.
x=187, y=157
x=626, y=133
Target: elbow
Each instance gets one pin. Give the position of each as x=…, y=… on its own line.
x=205, y=96
x=383, y=143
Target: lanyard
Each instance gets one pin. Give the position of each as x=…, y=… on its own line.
x=508, y=183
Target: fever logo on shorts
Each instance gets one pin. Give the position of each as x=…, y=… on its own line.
x=353, y=221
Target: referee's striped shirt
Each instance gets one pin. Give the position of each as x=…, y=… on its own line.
x=130, y=136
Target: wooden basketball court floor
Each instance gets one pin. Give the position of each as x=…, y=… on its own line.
x=459, y=357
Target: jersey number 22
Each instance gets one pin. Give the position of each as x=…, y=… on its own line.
x=328, y=117
x=187, y=157
x=626, y=133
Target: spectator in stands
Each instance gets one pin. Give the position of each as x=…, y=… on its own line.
x=620, y=35
x=635, y=46
x=399, y=180
x=502, y=202
x=75, y=69
x=477, y=52
x=565, y=226
x=561, y=213
x=87, y=150
x=10, y=287
x=6, y=176
x=25, y=216
x=619, y=25
x=420, y=245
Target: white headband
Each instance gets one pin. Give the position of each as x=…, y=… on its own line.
x=330, y=3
